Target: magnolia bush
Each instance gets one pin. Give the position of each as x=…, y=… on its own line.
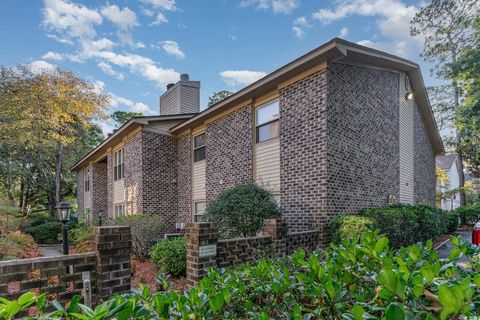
x=360, y=278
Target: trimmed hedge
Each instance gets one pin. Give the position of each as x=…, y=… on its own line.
x=345, y=226
x=469, y=214
x=169, y=255
x=46, y=233
x=403, y=224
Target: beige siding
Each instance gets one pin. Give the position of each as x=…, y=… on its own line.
x=170, y=103
x=406, y=114
x=199, y=170
x=190, y=99
x=87, y=199
x=267, y=164
x=119, y=191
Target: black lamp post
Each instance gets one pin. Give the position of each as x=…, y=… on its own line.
x=63, y=214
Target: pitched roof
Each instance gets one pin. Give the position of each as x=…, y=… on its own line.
x=445, y=162
x=126, y=128
x=334, y=50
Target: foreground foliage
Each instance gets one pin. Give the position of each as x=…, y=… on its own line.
x=358, y=279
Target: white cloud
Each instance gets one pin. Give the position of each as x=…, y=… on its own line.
x=168, y=5
x=41, y=66
x=277, y=6
x=241, y=77
x=393, y=22
x=299, y=26
x=343, y=32
x=53, y=56
x=75, y=19
x=60, y=39
x=172, y=48
x=159, y=19
x=106, y=68
x=125, y=19
x=140, y=45
x=117, y=101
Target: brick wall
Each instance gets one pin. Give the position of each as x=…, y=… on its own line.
x=425, y=179
x=303, y=144
x=108, y=269
x=80, y=192
x=231, y=252
x=159, y=167
x=133, y=156
x=98, y=187
x=363, y=138
x=184, y=178
x=229, y=150
x=275, y=242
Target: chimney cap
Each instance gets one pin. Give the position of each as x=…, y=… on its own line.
x=184, y=77
x=170, y=85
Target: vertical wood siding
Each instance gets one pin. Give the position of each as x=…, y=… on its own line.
x=406, y=113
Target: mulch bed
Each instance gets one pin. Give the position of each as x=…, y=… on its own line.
x=144, y=273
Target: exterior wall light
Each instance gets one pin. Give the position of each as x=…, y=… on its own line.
x=409, y=95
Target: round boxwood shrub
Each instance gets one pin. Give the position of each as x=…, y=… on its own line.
x=47, y=233
x=240, y=211
x=169, y=255
x=346, y=226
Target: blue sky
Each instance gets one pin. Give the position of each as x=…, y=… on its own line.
x=133, y=48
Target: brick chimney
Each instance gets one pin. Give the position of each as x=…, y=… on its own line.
x=181, y=97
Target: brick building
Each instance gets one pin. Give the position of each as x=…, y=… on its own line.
x=339, y=129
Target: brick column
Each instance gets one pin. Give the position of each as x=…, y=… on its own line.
x=112, y=246
x=200, y=234
x=277, y=229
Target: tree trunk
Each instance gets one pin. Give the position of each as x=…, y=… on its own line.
x=458, y=138
x=58, y=173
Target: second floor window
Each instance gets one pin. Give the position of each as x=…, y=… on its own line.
x=118, y=167
x=199, y=147
x=266, y=121
x=86, y=180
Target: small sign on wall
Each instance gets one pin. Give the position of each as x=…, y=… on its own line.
x=207, y=250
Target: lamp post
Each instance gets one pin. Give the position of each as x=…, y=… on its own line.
x=63, y=214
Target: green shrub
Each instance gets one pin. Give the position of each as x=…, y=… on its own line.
x=39, y=219
x=451, y=220
x=146, y=230
x=345, y=226
x=169, y=255
x=469, y=214
x=47, y=233
x=358, y=279
x=240, y=211
x=407, y=224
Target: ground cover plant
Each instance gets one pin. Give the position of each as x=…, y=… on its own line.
x=360, y=278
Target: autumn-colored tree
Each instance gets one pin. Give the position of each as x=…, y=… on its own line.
x=446, y=26
x=43, y=114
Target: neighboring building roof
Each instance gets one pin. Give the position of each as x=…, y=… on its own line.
x=126, y=128
x=446, y=162
x=334, y=50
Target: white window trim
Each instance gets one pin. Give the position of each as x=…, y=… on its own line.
x=268, y=122
x=122, y=164
x=195, y=214
x=193, y=146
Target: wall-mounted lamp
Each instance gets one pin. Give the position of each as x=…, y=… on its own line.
x=409, y=94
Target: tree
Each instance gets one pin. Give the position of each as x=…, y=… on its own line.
x=467, y=72
x=441, y=98
x=218, y=96
x=446, y=27
x=242, y=209
x=46, y=119
x=121, y=117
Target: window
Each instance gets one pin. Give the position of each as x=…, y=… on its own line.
x=119, y=211
x=199, y=208
x=267, y=121
x=86, y=180
x=118, y=169
x=199, y=147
